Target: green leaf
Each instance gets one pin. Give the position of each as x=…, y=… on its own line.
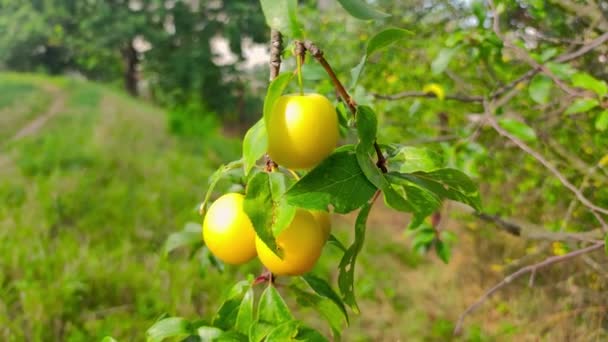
x=586, y=81
x=255, y=144
x=338, y=181
x=518, y=129
x=245, y=317
x=286, y=331
x=168, y=327
x=346, y=276
x=323, y=289
x=562, y=71
x=540, y=89
x=411, y=159
x=190, y=236
x=334, y=241
x=325, y=307
x=274, y=92
x=226, y=316
x=375, y=176
x=378, y=42
x=581, y=106
x=281, y=16
x=221, y=172
x=445, y=183
x=423, y=238
x=272, y=309
x=266, y=206
x=601, y=122
x=443, y=251
x=441, y=62
x=259, y=330
x=208, y=334
x=367, y=125
x=385, y=38
x=423, y=201
x=361, y=10
x=356, y=72
x=310, y=335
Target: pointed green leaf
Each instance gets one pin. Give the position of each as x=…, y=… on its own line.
x=411, y=159
x=361, y=10
x=581, y=106
x=255, y=144
x=441, y=62
x=443, y=251
x=346, y=276
x=601, y=122
x=323, y=289
x=326, y=308
x=266, y=206
x=259, y=330
x=562, y=71
x=208, y=334
x=586, y=81
x=338, y=181
x=310, y=335
x=190, y=236
x=334, y=241
x=274, y=92
x=540, y=89
x=226, y=316
x=281, y=16
x=168, y=327
x=244, y=318
x=445, y=183
x=385, y=38
x=272, y=309
x=356, y=72
x=367, y=125
x=518, y=129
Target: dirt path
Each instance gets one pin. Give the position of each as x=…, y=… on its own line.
x=36, y=124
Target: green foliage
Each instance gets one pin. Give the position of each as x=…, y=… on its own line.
x=361, y=10
x=338, y=181
x=267, y=207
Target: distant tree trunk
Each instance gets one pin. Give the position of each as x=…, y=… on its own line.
x=130, y=75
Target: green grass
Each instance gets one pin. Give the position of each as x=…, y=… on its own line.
x=85, y=205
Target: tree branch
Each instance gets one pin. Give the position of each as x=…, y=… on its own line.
x=581, y=197
x=405, y=94
x=276, y=47
x=350, y=102
x=532, y=269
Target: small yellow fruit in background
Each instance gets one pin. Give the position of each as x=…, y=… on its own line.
x=324, y=221
x=301, y=243
x=302, y=130
x=227, y=230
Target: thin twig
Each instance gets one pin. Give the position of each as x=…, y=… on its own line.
x=405, y=94
x=528, y=269
x=350, y=102
x=581, y=197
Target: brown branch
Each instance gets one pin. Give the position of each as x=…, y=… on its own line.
x=405, y=94
x=581, y=197
x=530, y=231
x=532, y=269
x=276, y=47
x=350, y=102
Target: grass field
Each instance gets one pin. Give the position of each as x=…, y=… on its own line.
x=91, y=184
